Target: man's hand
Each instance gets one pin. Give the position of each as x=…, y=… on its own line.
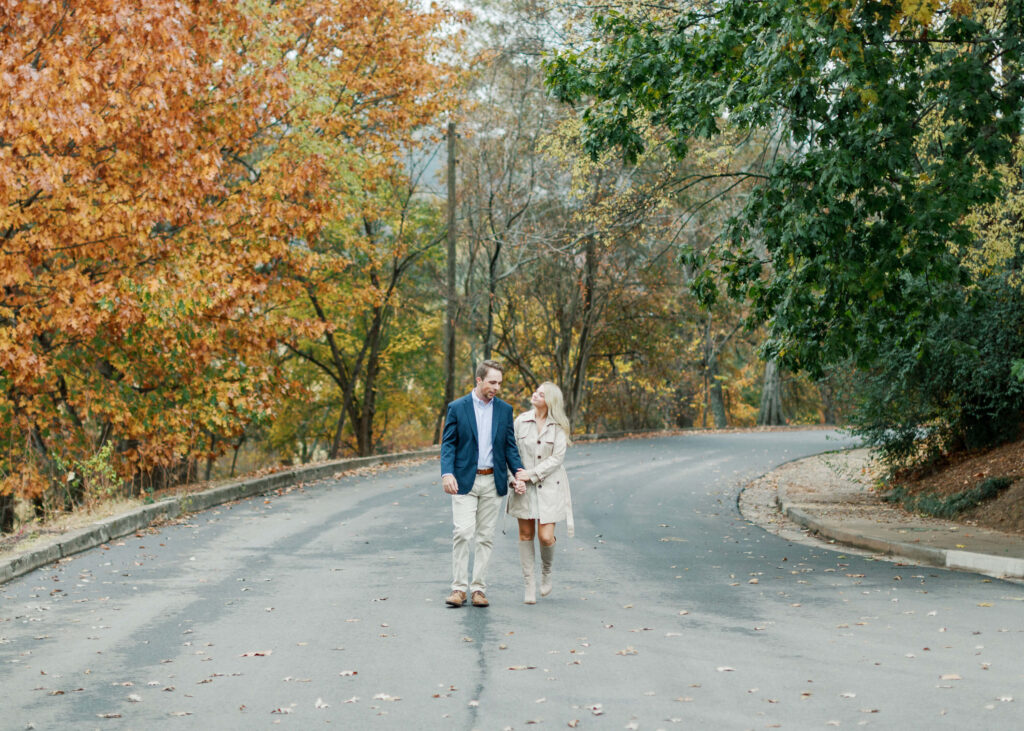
x=519, y=486
x=449, y=484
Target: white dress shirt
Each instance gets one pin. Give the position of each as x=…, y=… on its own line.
x=484, y=411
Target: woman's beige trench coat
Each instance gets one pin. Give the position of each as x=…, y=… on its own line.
x=547, y=495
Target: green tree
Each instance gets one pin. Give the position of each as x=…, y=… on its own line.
x=887, y=123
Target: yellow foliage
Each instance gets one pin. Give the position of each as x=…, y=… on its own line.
x=999, y=226
x=922, y=11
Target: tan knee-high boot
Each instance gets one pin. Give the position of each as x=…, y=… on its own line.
x=527, y=558
x=547, y=555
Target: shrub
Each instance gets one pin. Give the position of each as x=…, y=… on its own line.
x=949, y=506
x=952, y=390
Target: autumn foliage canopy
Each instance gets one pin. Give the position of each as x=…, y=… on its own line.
x=166, y=168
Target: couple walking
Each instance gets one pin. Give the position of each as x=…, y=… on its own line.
x=480, y=447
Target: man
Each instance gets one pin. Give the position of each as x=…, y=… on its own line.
x=478, y=450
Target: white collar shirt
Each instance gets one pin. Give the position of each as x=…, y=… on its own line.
x=484, y=411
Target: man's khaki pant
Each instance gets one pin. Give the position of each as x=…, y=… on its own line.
x=475, y=516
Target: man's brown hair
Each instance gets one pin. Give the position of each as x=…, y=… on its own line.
x=489, y=365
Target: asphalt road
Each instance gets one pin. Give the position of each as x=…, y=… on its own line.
x=323, y=607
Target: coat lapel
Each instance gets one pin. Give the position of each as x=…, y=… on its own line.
x=471, y=411
x=494, y=422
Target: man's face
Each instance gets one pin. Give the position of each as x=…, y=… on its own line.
x=488, y=386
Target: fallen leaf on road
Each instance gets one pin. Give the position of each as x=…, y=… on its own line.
x=320, y=704
x=950, y=676
x=523, y=667
x=257, y=653
x=348, y=673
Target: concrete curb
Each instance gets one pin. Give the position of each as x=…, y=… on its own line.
x=983, y=563
x=108, y=529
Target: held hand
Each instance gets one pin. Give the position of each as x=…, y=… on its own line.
x=449, y=484
x=520, y=486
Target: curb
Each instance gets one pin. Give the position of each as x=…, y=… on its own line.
x=117, y=526
x=983, y=563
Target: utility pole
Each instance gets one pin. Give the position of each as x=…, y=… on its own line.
x=451, y=310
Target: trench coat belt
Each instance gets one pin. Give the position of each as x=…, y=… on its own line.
x=488, y=471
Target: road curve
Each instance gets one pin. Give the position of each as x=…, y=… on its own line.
x=322, y=606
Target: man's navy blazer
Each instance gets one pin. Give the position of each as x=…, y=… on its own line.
x=460, y=449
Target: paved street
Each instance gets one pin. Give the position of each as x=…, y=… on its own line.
x=323, y=607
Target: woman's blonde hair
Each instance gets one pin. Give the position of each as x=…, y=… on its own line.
x=556, y=408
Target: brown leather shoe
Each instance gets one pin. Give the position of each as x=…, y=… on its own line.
x=456, y=598
x=479, y=600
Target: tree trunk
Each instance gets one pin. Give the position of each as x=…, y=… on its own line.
x=713, y=384
x=363, y=424
x=6, y=513
x=492, y=300
x=234, y=458
x=829, y=409
x=342, y=376
x=716, y=396
x=584, y=310
x=210, y=459
x=770, y=413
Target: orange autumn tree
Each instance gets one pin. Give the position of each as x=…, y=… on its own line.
x=161, y=175
x=370, y=91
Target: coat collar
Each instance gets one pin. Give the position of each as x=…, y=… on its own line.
x=531, y=416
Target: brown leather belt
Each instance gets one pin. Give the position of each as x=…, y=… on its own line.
x=488, y=471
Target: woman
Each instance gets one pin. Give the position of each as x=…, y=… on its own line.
x=542, y=436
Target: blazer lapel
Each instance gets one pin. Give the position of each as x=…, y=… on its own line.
x=471, y=413
x=494, y=422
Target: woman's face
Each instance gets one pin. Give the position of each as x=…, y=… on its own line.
x=537, y=399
